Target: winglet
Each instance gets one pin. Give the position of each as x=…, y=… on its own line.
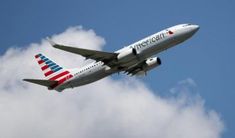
x=51, y=42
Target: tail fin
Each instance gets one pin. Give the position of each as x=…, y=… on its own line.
x=51, y=70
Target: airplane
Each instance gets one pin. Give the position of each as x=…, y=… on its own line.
x=135, y=59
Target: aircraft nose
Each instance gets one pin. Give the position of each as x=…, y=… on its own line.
x=195, y=28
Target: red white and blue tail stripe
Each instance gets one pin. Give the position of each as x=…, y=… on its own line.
x=51, y=70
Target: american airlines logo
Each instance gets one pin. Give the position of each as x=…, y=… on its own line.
x=149, y=41
x=170, y=32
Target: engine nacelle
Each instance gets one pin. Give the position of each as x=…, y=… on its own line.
x=127, y=55
x=151, y=63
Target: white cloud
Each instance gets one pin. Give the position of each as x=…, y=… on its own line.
x=107, y=108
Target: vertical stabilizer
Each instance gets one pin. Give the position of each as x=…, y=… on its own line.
x=51, y=70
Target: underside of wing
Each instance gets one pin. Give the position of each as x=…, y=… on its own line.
x=133, y=70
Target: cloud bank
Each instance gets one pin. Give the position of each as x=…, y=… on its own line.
x=122, y=108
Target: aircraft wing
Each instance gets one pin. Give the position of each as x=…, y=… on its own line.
x=105, y=57
x=133, y=70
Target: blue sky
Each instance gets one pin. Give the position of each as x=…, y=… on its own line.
x=207, y=58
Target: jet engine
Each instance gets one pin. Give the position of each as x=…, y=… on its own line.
x=149, y=64
x=127, y=55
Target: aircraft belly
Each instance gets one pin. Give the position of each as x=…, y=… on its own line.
x=90, y=77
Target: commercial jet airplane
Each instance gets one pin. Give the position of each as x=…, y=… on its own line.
x=133, y=59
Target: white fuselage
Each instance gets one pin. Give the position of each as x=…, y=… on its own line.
x=145, y=48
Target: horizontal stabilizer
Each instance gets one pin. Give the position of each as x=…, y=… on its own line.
x=47, y=83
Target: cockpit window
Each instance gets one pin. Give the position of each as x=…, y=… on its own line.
x=187, y=25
